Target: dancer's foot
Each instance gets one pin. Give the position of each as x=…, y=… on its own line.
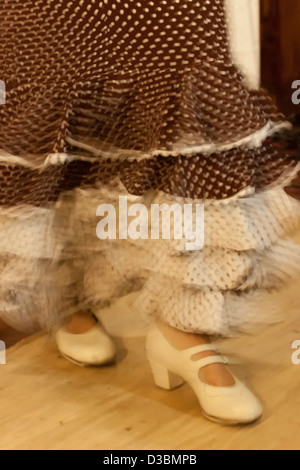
x=84, y=341
x=177, y=357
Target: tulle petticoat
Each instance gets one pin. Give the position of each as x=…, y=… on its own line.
x=223, y=288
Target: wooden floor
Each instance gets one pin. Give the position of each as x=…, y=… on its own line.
x=48, y=403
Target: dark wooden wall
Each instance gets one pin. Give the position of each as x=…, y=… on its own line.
x=280, y=20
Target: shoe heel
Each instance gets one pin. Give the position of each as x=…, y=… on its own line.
x=163, y=378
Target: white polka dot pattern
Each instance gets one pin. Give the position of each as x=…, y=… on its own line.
x=126, y=78
x=143, y=89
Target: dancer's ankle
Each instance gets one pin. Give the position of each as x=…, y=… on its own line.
x=180, y=339
x=217, y=374
x=80, y=323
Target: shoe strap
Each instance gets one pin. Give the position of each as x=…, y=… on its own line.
x=199, y=349
x=205, y=361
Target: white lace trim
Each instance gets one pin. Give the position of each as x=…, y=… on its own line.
x=252, y=141
x=58, y=159
x=37, y=163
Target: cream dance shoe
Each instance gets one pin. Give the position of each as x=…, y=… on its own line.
x=171, y=368
x=93, y=348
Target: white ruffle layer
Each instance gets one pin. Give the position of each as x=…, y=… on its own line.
x=217, y=290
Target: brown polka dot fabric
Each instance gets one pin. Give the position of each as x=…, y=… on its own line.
x=190, y=177
x=143, y=90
